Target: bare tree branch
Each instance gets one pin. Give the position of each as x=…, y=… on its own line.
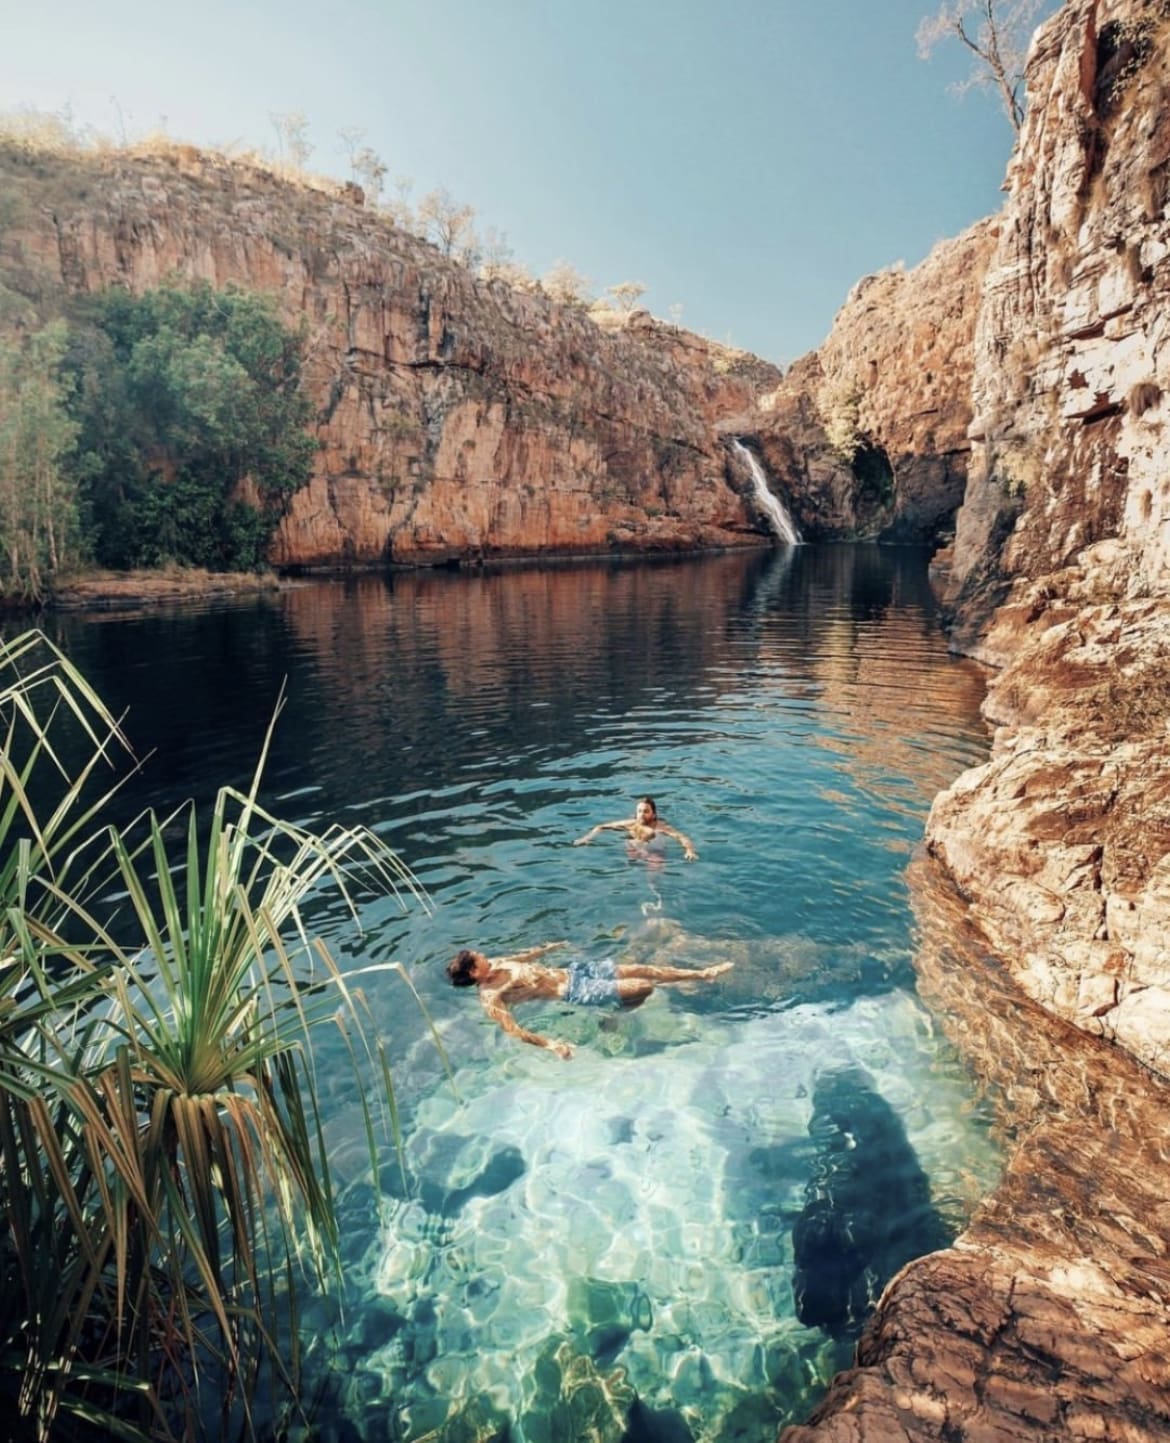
x=997, y=33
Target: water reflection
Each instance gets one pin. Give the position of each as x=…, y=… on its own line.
x=619, y=1228
x=433, y=677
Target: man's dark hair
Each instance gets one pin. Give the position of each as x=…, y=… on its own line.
x=461, y=969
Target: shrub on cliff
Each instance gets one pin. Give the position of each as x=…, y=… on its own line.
x=192, y=425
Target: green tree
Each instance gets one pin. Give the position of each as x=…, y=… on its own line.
x=189, y=401
x=38, y=501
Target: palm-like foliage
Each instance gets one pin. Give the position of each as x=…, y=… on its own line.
x=163, y=1169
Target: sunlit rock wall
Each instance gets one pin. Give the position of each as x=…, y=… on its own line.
x=457, y=417
x=1062, y=842
x=867, y=436
x=1071, y=357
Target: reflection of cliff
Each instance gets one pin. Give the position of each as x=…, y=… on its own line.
x=437, y=674
x=1049, y=1318
x=554, y=645
x=862, y=638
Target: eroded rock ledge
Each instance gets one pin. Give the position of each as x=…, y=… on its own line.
x=1049, y=1318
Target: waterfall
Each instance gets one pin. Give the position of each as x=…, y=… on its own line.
x=778, y=517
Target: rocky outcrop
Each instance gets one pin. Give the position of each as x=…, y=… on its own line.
x=867, y=436
x=457, y=417
x=1062, y=842
x=1071, y=356
x=1048, y=1319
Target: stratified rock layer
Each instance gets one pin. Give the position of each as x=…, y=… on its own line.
x=1072, y=364
x=1062, y=841
x=457, y=417
x=867, y=436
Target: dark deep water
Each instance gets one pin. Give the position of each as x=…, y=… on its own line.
x=676, y=1234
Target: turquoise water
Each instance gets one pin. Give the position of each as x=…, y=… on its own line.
x=617, y=1246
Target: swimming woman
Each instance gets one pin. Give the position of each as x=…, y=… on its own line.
x=642, y=829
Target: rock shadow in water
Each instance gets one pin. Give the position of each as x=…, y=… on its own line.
x=656, y=1425
x=502, y=1167
x=868, y=1208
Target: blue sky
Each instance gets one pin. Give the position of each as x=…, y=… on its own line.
x=748, y=160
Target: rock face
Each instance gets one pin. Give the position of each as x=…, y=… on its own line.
x=1048, y=1319
x=1061, y=842
x=1071, y=357
x=868, y=435
x=457, y=417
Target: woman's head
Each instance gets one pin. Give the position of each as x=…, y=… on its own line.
x=646, y=811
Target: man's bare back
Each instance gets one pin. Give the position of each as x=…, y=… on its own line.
x=517, y=977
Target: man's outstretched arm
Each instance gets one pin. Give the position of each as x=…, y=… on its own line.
x=687, y=845
x=529, y=953
x=500, y=1014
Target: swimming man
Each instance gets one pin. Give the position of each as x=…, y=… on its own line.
x=505, y=981
x=642, y=829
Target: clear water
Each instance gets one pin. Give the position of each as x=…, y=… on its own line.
x=603, y=1248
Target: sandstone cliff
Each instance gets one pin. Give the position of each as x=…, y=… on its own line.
x=867, y=436
x=457, y=417
x=1048, y=1319
x=1070, y=351
x=1063, y=840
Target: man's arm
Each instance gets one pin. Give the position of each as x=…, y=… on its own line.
x=531, y=952
x=496, y=1010
x=687, y=845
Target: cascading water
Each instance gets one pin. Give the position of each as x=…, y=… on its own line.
x=778, y=518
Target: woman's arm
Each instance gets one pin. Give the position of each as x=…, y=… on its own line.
x=622, y=826
x=687, y=845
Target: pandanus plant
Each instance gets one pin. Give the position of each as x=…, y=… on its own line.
x=164, y=1175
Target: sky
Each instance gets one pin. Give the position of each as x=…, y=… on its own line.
x=745, y=160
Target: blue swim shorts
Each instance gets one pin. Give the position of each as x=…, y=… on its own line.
x=592, y=982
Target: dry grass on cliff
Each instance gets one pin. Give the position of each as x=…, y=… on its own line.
x=38, y=135
x=1130, y=706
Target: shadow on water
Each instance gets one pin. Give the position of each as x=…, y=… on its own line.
x=868, y=1208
